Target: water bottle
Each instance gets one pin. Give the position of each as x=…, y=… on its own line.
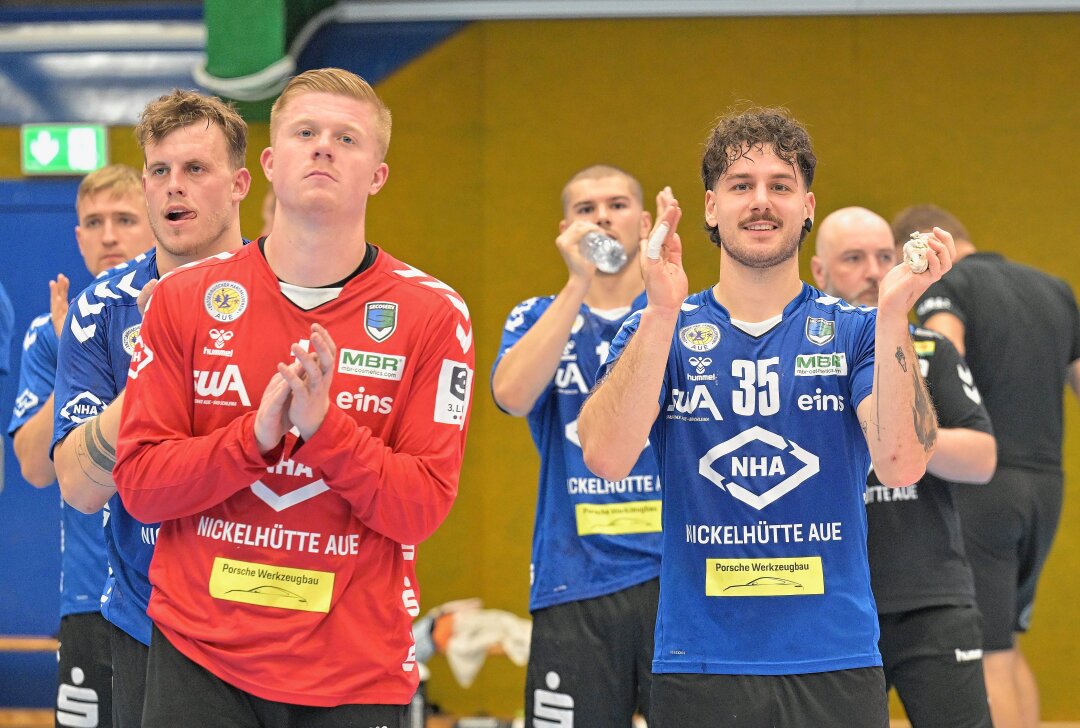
x=603, y=251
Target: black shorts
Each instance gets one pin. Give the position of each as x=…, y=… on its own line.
x=84, y=692
x=129, y=678
x=839, y=699
x=182, y=694
x=933, y=657
x=1009, y=526
x=590, y=663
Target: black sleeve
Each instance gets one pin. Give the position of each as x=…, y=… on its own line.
x=944, y=296
x=953, y=391
x=1074, y=352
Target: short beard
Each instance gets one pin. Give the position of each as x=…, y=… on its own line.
x=788, y=250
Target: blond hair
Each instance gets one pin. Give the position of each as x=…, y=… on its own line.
x=182, y=108
x=341, y=83
x=117, y=180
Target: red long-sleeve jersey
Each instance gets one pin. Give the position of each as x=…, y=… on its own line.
x=291, y=575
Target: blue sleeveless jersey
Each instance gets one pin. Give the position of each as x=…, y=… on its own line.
x=591, y=536
x=99, y=336
x=764, y=465
x=83, y=565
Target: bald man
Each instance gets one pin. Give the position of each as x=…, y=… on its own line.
x=931, y=643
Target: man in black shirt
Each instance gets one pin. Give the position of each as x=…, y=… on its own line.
x=1020, y=331
x=930, y=641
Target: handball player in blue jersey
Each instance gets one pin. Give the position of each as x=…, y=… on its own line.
x=596, y=543
x=193, y=182
x=767, y=401
x=112, y=229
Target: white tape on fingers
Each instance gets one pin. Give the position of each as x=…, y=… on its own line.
x=652, y=250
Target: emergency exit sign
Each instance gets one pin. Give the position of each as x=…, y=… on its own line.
x=63, y=148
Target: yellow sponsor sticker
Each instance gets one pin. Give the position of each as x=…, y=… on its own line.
x=271, y=586
x=616, y=519
x=764, y=577
x=924, y=348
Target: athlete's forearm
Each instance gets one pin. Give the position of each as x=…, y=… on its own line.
x=526, y=370
x=31, y=444
x=615, y=421
x=964, y=456
x=84, y=460
x=898, y=418
x=163, y=474
x=403, y=496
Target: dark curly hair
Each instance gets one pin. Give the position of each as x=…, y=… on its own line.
x=738, y=132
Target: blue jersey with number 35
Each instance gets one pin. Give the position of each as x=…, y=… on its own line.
x=764, y=466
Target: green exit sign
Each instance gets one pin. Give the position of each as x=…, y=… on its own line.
x=63, y=148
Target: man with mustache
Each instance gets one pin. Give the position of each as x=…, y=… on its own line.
x=766, y=616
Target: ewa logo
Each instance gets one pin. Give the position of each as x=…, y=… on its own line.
x=130, y=338
x=552, y=709
x=687, y=404
x=24, y=402
x=758, y=467
x=362, y=402
x=934, y=303
x=700, y=337
x=215, y=384
x=569, y=379
x=82, y=407
x=225, y=301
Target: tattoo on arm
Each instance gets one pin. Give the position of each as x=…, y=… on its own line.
x=900, y=358
x=95, y=455
x=923, y=412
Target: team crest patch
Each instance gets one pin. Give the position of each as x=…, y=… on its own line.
x=820, y=331
x=225, y=301
x=130, y=338
x=700, y=337
x=380, y=319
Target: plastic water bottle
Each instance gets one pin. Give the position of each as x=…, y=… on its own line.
x=603, y=251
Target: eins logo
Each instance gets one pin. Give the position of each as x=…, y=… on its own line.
x=225, y=301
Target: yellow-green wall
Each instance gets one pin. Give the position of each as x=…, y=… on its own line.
x=976, y=113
